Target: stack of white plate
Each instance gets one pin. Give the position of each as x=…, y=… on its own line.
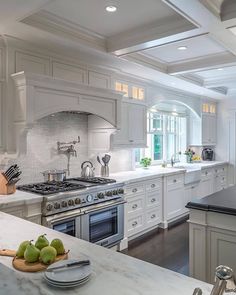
x=67, y=277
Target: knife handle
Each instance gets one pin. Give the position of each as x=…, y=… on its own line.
x=85, y=262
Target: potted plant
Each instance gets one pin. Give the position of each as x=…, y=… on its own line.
x=145, y=162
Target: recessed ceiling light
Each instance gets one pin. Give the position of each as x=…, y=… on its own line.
x=111, y=8
x=220, y=69
x=182, y=48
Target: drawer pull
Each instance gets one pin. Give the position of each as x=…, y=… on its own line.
x=131, y=140
x=153, y=185
x=134, y=206
x=134, y=190
x=223, y=169
x=134, y=223
x=153, y=216
x=206, y=173
x=174, y=180
x=223, y=178
x=153, y=200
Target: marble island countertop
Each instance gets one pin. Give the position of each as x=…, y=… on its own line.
x=113, y=273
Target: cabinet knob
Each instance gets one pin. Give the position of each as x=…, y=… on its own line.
x=153, y=200
x=134, y=190
x=134, y=206
x=206, y=173
x=174, y=180
x=131, y=140
x=153, y=185
x=153, y=216
x=134, y=223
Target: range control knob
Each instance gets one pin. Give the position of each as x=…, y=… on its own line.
x=100, y=195
x=77, y=201
x=109, y=193
x=49, y=207
x=71, y=203
x=64, y=204
x=89, y=198
x=57, y=206
x=115, y=192
x=120, y=191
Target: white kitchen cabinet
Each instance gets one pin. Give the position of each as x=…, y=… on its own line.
x=32, y=63
x=97, y=79
x=69, y=72
x=175, y=197
x=220, y=178
x=191, y=192
x=143, y=210
x=208, y=129
x=133, y=132
x=207, y=183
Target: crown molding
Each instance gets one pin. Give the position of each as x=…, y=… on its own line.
x=52, y=23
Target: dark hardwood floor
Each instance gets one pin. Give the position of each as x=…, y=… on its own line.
x=167, y=248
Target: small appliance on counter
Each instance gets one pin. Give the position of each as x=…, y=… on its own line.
x=8, y=179
x=207, y=154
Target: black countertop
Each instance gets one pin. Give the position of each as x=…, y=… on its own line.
x=221, y=202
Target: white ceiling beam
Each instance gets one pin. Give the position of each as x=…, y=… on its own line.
x=204, y=63
x=152, y=35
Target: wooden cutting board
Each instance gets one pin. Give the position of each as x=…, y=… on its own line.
x=22, y=265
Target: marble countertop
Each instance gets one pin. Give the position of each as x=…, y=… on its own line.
x=113, y=273
x=157, y=171
x=22, y=198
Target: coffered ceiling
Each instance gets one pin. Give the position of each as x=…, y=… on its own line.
x=179, y=43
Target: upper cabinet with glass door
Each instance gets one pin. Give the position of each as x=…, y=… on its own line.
x=209, y=108
x=135, y=92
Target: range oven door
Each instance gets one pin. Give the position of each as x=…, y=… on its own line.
x=103, y=226
x=66, y=222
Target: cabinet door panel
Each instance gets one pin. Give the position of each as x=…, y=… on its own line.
x=98, y=80
x=122, y=136
x=69, y=72
x=175, y=203
x=32, y=63
x=137, y=124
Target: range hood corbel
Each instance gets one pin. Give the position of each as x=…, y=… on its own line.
x=38, y=96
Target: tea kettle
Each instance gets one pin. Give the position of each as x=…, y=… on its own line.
x=87, y=169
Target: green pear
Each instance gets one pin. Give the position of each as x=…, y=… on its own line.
x=21, y=249
x=31, y=253
x=58, y=245
x=41, y=242
x=48, y=255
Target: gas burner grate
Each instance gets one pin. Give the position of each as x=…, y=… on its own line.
x=96, y=180
x=48, y=188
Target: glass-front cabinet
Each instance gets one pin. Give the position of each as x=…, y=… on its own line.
x=132, y=91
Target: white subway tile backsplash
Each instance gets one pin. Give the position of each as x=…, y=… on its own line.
x=42, y=148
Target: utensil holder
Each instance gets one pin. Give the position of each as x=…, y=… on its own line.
x=6, y=189
x=104, y=171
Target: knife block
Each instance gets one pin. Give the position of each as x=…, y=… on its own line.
x=6, y=189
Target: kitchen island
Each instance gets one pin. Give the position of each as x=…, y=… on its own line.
x=212, y=233
x=113, y=273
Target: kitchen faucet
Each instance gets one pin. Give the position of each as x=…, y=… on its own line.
x=224, y=282
x=68, y=149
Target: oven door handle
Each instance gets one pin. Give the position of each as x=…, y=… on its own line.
x=53, y=219
x=104, y=207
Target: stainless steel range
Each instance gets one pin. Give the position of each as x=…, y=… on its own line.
x=91, y=209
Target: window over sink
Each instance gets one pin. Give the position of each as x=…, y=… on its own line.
x=166, y=135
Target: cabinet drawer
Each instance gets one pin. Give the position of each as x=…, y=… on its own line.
x=153, y=216
x=134, y=190
x=206, y=174
x=135, y=204
x=220, y=170
x=135, y=224
x=175, y=181
x=155, y=184
x=153, y=199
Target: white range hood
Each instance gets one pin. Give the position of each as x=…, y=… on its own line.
x=38, y=96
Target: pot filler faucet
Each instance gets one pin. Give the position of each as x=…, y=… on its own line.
x=224, y=282
x=68, y=149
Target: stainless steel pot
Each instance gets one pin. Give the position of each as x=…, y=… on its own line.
x=54, y=175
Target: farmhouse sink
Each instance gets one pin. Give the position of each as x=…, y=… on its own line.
x=193, y=172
